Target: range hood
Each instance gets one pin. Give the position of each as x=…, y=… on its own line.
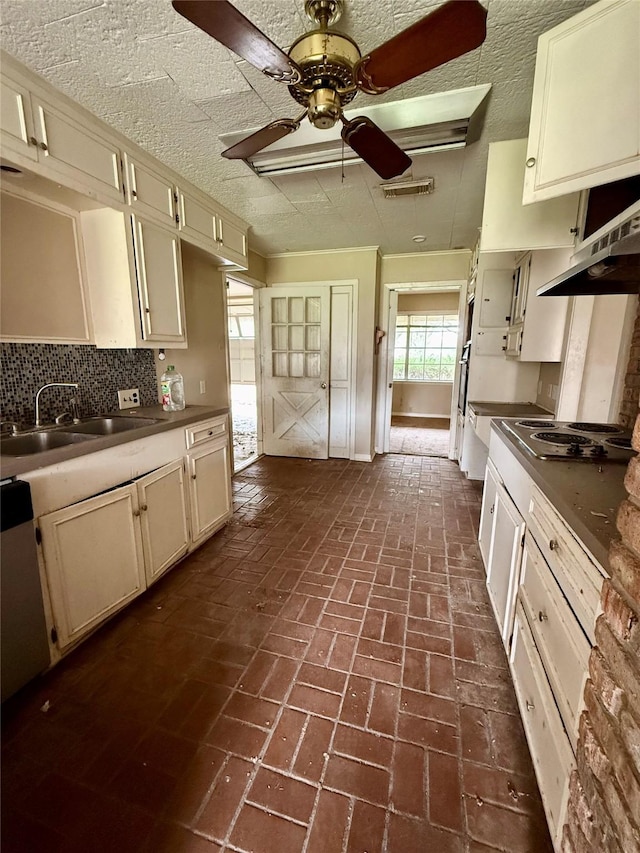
x=612, y=265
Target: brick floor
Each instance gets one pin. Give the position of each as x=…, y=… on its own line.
x=323, y=675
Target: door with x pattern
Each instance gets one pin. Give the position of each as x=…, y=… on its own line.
x=295, y=333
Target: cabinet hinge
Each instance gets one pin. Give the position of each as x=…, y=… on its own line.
x=178, y=218
x=522, y=541
x=175, y=197
x=54, y=635
x=38, y=536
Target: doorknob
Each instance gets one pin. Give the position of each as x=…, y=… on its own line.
x=323, y=385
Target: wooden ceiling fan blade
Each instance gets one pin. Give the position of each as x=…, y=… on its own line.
x=267, y=135
x=456, y=27
x=376, y=148
x=226, y=24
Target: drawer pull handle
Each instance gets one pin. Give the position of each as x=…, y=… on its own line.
x=136, y=513
x=193, y=476
x=210, y=432
x=144, y=508
x=542, y=616
x=553, y=544
x=530, y=706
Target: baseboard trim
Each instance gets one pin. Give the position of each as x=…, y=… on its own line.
x=363, y=457
x=446, y=417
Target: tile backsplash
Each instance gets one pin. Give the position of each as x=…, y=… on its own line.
x=100, y=373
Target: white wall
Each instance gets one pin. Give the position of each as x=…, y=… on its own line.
x=206, y=356
x=426, y=399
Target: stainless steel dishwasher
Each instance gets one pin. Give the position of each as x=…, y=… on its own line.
x=23, y=630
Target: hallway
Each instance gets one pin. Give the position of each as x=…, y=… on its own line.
x=323, y=676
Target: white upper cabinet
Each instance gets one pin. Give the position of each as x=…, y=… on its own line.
x=507, y=224
x=206, y=226
x=35, y=130
x=16, y=124
x=585, y=112
x=134, y=272
x=537, y=323
x=149, y=192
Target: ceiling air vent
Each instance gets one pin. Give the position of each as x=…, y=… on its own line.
x=395, y=189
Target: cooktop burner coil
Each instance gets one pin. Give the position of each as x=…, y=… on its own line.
x=624, y=443
x=603, y=429
x=536, y=424
x=562, y=438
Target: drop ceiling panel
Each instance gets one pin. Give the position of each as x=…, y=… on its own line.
x=155, y=77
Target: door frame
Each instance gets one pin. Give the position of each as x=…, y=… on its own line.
x=388, y=313
x=352, y=407
x=256, y=286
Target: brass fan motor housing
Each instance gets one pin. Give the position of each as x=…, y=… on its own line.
x=327, y=61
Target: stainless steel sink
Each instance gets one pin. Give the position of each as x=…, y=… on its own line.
x=107, y=426
x=38, y=442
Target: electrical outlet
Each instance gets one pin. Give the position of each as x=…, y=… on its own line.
x=129, y=399
x=203, y=386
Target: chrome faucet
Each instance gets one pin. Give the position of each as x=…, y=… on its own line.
x=51, y=385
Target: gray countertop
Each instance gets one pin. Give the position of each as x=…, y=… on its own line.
x=586, y=494
x=492, y=409
x=13, y=466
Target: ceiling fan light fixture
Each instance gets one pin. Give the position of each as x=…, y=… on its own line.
x=324, y=108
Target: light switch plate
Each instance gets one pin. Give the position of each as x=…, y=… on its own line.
x=129, y=399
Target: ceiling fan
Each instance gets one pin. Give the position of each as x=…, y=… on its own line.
x=324, y=69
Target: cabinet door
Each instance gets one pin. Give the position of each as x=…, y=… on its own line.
x=15, y=121
x=520, y=290
x=507, y=224
x=495, y=301
x=163, y=515
x=93, y=558
x=197, y=223
x=232, y=241
x=209, y=475
x=487, y=514
x=72, y=150
x=585, y=125
x=505, y=557
x=548, y=743
x=159, y=271
x=149, y=192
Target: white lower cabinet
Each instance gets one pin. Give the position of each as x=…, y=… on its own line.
x=505, y=558
x=94, y=560
x=487, y=513
x=163, y=517
x=208, y=470
x=550, y=749
x=101, y=552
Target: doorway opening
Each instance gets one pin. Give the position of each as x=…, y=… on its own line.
x=422, y=369
x=242, y=371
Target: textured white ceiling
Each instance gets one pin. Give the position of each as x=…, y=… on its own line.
x=150, y=74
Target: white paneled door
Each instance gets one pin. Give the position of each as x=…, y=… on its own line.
x=295, y=327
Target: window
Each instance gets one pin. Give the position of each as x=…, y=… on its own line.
x=425, y=348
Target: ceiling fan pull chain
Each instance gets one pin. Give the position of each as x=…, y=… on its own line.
x=342, y=161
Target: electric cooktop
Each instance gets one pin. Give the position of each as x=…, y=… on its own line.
x=572, y=440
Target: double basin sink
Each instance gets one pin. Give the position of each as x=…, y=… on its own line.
x=51, y=438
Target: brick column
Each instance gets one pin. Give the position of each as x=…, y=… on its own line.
x=604, y=803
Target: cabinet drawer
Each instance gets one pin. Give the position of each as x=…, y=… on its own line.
x=206, y=431
x=563, y=647
x=577, y=575
x=550, y=749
